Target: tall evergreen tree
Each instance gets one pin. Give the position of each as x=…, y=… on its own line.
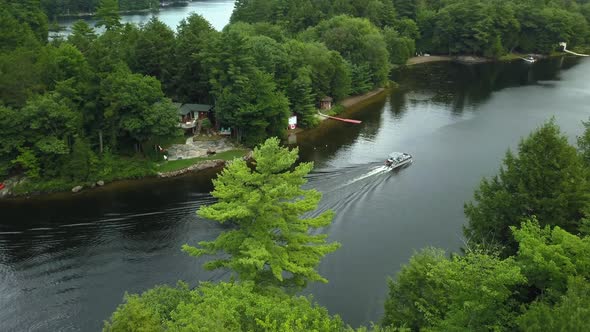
x=271, y=242
x=154, y=51
x=108, y=14
x=190, y=76
x=82, y=36
x=584, y=144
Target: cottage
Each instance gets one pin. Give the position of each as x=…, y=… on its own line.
x=191, y=114
x=326, y=103
x=198, y=111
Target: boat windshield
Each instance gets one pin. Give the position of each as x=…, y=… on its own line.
x=395, y=155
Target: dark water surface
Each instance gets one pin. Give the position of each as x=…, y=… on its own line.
x=66, y=261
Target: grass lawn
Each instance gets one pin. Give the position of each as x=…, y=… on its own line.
x=511, y=57
x=176, y=165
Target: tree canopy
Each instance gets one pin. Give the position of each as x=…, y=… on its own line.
x=488, y=28
x=219, y=307
x=478, y=291
x=546, y=179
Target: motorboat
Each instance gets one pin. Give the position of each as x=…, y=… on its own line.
x=398, y=159
x=530, y=59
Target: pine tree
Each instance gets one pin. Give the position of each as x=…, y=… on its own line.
x=271, y=243
x=302, y=98
x=584, y=143
x=108, y=14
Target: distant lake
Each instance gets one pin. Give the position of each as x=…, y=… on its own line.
x=217, y=12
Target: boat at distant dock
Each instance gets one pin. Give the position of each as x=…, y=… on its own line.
x=530, y=59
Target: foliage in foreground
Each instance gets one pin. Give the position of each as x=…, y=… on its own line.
x=220, y=307
x=479, y=291
x=471, y=291
x=546, y=179
x=570, y=313
x=270, y=243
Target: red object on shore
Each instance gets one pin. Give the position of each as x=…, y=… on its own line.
x=341, y=119
x=1, y=185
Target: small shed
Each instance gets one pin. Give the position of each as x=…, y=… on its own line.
x=326, y=103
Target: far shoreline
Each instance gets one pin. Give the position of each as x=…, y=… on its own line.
x=474, y=59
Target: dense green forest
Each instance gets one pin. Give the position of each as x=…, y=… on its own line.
x=525, y=265
x=480, y=27
x=99, y=100
x=74, y=112
x=275, y=58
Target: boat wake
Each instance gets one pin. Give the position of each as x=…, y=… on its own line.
x=373, y=172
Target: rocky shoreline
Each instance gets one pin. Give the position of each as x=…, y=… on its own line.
x=465, y=59
x=6, y=192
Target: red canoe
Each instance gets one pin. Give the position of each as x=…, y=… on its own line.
x=1, y=185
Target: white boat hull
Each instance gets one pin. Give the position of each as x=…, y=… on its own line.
x=403, y=163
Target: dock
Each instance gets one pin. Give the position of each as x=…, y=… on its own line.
x=340, y=119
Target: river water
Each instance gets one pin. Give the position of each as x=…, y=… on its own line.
x=66, y=260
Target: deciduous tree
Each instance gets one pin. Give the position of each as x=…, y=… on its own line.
x=220, y=307
x=470, y=292
x=545, y=179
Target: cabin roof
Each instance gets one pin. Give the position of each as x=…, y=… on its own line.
x=187, y=108
x=327, y=99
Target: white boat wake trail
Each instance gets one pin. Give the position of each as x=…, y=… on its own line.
x=373, y=172
x=341, y=195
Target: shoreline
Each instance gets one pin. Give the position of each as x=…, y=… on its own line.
x=428, y=59
x=473, y=59
x=7, y=194
x=349, y=105
x=354, y=101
